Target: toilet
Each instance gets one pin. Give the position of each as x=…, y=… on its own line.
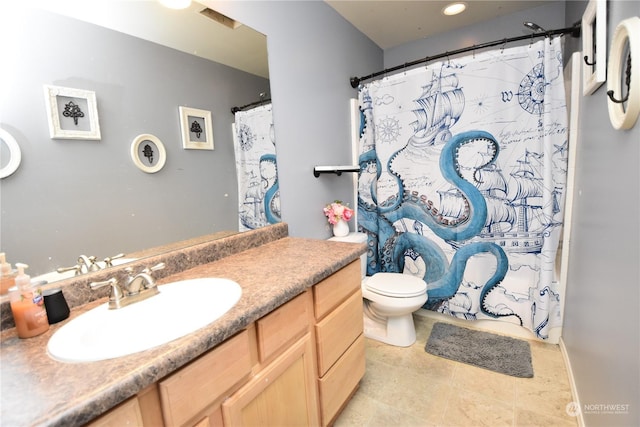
x=389, y=300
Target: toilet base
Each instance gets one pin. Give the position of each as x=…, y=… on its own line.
x=398, y=330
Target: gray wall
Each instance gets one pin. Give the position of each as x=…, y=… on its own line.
x=602, y=324
x=312, y=53
x=550, y=16
x=70, y=197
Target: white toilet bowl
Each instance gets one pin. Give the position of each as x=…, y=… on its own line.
x=389, y=301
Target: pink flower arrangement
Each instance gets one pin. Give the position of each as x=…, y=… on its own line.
x=336, y=211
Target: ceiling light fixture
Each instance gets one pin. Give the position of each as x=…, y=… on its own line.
x=454, y=9
x=175, y=4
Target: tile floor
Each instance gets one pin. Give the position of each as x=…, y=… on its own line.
x=410, y=387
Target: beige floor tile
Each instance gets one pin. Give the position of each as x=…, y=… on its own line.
x=491, y=384
x=410, y=387
x=470, y=408
x=526, y=418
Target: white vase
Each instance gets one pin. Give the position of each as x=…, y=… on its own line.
x=341, y=228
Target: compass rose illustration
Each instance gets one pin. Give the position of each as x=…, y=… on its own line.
x=531, y=91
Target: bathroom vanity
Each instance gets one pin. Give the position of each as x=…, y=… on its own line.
x=291, y=351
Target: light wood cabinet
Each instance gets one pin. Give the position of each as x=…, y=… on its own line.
x=340, y=340
x=193, y=389
x=298, y=365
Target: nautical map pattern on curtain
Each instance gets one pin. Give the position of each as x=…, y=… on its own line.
x=462, y=180
x=255, y=150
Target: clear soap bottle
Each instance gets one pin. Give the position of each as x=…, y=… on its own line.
x=27, y=306
x=7, y=275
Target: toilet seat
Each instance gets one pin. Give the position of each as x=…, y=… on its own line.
x=395, y=285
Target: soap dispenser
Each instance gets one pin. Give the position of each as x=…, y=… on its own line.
x=7, y=275
x=27, y=306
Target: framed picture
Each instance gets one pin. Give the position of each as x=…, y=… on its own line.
x=9, y=145
x=624, y=75
x=72, y=113
x=197, y=133
x=594, y=46
x=148, y=153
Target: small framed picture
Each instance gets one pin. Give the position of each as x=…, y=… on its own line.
x=148, y=153
x=197, y=132
x=72, y=113
x=594, y=46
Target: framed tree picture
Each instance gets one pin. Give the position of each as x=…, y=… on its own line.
x=197, y=132
x=72, y=113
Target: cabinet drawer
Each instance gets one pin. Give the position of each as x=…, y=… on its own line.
x=338, y=330
x=282, y=326
x=329, y=293
x=203, y=381
x=126, y=414
x=341, y=380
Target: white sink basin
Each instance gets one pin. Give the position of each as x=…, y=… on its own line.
x=179, y=309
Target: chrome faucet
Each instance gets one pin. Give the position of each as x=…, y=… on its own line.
x=130, y=288
x=88, y=264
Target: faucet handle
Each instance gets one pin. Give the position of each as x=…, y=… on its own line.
x=76, y=268
x=156, y=267
x=116, y=291
x=108, y=261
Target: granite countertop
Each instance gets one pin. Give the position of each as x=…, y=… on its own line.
x=36, y=390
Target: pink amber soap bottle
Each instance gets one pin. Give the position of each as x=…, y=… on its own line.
x=27, y=306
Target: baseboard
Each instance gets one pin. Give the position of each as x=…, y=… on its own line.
x=493, y=326
x=572, y=383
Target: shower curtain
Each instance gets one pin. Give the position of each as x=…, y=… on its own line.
x=256, y=167
x=462, y=180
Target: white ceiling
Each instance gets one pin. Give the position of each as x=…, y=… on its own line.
x=390, y=23
x=185, y=30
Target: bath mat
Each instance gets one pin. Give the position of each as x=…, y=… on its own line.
x=497, y=353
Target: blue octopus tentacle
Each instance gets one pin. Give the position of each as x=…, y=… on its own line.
x=448, y=285
x=450, y=168
x=273, y=216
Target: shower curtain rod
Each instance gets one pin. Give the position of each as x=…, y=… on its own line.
x=573, y=30
x=262, y=101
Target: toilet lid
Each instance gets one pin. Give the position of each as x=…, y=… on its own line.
x=396, y=285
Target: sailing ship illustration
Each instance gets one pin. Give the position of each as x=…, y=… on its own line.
x=252, y=215
x=440, y=106
x=517, y=220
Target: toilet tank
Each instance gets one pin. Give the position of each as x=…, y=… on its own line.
x=356, y=238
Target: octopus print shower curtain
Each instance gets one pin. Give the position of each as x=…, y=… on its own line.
x=256, y=167
x=462, y=178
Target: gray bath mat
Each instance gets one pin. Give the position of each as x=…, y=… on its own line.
x=497, y=353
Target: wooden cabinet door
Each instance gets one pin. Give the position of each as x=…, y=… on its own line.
x=283, y=393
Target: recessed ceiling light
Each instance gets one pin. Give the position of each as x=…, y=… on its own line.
x=454, y=8
x=176, y=4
